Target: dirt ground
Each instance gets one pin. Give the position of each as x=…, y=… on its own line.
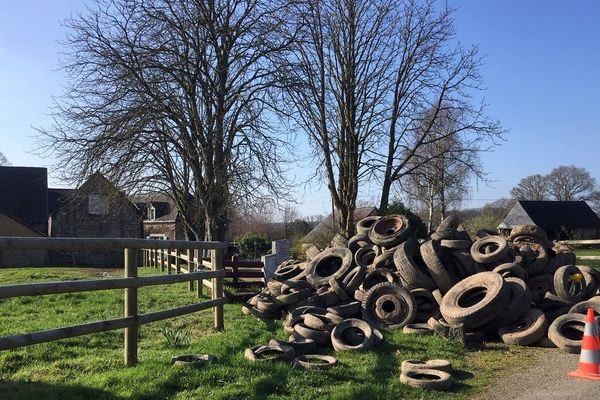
x=545, y=379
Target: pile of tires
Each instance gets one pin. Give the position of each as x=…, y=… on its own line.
x=520, y=288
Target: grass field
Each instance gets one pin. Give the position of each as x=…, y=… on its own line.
x=588, y=252
x=91, y=367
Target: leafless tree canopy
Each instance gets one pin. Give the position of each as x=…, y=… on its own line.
x=3, y=160
x=442, y=181
x=564, y=183
x=369, y=79
x=534, y=187
x=567, y=183
x=170, y=96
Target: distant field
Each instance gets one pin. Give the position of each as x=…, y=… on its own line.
x=91, y=367
x=588, y=252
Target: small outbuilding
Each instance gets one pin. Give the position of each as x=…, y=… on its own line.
x=562, y=220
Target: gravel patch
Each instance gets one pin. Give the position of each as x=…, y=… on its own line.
x=545, y=379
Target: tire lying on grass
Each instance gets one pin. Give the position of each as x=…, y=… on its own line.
x=431, y=379
x=269, y=353
x=440, y=365
x=300, y=346
x=352, y=334
x=475, y=300
x=315, y=361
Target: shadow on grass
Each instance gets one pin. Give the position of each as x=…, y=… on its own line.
x=46, y=391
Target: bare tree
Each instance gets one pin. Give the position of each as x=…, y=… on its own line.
x=533, y=187
x=567, y=183
x=335, y=81
x=433, y=77
x=171, y=96
x=3, y=160
x=443, y=181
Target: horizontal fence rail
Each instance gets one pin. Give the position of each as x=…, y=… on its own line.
x=213, y=277
x=583, y=243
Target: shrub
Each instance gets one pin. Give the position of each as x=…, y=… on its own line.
x=253, y=245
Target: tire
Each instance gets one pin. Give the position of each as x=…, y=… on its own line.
x=365, y=256
x=306, y=310
x=519, y=301
x=490, y=249
x=301, y=346
x=319, y=322
x=338, y=288
x=528, y=230
x=562, y=282
x=384, y=261
x=526, y=330
x=475, y=301
x=438, y=327
x=431, y=379
x=358, y=241
x=539, y=285
x=582, y=307
x=511, y=270
x=330, y=263
x=409, y=272
x=440, y=365
x=566, y=332
x=342, y=340
x=417, y=329
x=431, y=253
x=378, y=276
x=322, y=338
x=456, y=244
x=390, y=230
x=193, y=360
x=262, y=353
x=284, y=272
x=427, y=305
x=346, y=310
x=312, y=252
x=388, y=306
x=294, y=296
x=535, y=257
x=315, y=361
x=353, y=279
x=364, y=225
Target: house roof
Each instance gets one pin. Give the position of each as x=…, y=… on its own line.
x=23, y=223
x=58, y=198
x=165, y=208
x=325, y=228
x=24, y=195
x=552, y=215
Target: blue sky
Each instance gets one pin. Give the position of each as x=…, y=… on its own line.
x=542, y=73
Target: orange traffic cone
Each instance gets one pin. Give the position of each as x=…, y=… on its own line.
x=589, y=360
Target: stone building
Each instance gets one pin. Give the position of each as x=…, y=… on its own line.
x=162, y=218
x=97, y=209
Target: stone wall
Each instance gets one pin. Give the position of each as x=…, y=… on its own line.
x=280, y=252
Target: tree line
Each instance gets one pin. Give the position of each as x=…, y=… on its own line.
x=197, y=99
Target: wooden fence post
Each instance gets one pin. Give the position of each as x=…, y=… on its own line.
x=190, y=268
x=131, y=333
x=162, y=260
x=177, y=261
x=198, y=263
x=217, y=286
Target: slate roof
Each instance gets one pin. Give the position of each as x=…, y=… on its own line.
x=24, y=195
x=165, y=208
x=325, y=228
x=58, y=198
x=553, y=215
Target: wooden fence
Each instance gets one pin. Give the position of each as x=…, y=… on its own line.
x=584, y=243
x=130, y=282
x=241, y=272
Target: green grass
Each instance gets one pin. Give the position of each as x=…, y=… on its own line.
x=588, y=252
x=91, y=367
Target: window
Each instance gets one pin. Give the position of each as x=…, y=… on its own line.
x=151, y=212
x=97, y=204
